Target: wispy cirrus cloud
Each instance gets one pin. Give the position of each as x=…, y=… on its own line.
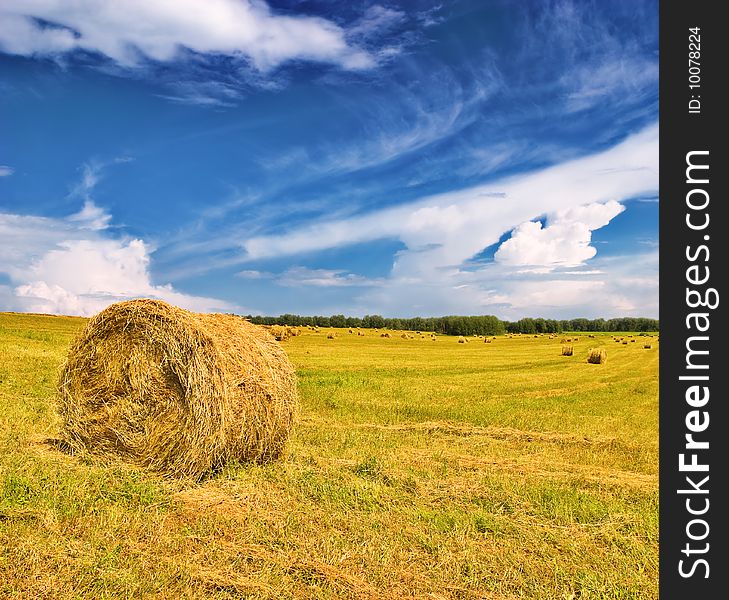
x=443, y=233
x=449, y=228
x=135, y=30
x=306, y=277
x=601, y=65
x=6, y=171
x=303, y=276
x=617, y=78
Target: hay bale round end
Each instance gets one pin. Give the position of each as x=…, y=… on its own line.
x=177, y=392
x=596, y=356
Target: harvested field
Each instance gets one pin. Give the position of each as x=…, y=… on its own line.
x=416, y=471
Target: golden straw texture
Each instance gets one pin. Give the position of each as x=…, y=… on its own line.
x=178, y=392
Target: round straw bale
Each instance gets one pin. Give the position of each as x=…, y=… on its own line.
x=596, y=356
x=178, y=392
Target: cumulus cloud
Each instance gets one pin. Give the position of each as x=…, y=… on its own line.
x=130, y=31
x=68, y=266
x=565, y=241
x=443, y=233
x=448, y=229
x=5, y=171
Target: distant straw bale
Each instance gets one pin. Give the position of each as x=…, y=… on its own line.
x=177, y=392
x=282, y=332
x=462, y=340
x=568, y=350
x=385, y=335
x=331, y=335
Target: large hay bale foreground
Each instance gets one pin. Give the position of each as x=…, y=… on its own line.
x=178, y=392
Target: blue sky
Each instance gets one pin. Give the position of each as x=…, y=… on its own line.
x=412, y=158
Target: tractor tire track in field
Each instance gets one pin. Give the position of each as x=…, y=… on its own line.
x=529, y=466
x=468, y=430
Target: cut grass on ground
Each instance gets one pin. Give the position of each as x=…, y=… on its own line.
x=419, y=470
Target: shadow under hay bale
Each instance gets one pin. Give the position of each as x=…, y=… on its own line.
x=331, y=335
x=646, y=346
x=568, y=350
x=177, y=392
x=596, y=356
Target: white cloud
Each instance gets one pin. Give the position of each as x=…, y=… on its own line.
x=90, y=176
x=616, y=78
x=302, y=276
x=253, y=274
x=5, y=171
x=68, y=266
x=565, y=241
x=447, y=229
x=305, y=277
x=91, y=217
x=619, y=286
x=442, y=233
x=127, y=31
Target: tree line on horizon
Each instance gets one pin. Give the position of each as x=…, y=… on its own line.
x=463, y=325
